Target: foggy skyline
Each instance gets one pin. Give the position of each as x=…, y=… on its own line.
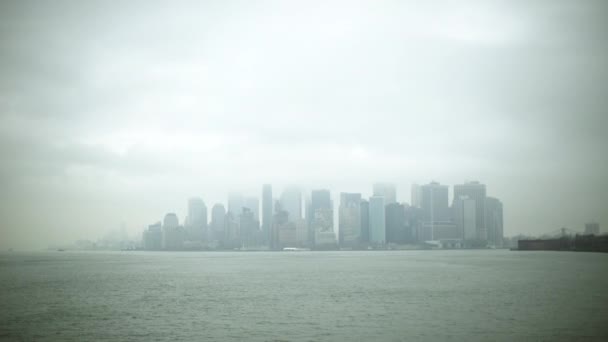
x=113, y=114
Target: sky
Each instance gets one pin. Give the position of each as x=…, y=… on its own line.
x=116, y=113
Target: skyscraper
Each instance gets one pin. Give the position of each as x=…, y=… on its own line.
x=386, y=190
x=434, y=202
x=477, y=192
x=266, y=209
x=197, y=219
x=493, y=221
x=218, y=216
x=350, y=219
x=464, y=215
x=291, y=201
x=377, y=226
x=323, y=225
x=364, y=207
x=395, y=224
x=416, y=195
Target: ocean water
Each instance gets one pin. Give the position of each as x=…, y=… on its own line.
x=484, y=295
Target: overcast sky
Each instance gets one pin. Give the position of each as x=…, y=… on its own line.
x=118, y=112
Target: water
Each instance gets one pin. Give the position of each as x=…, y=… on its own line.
x=488, y=295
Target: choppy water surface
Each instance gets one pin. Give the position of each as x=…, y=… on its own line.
x=412, y=295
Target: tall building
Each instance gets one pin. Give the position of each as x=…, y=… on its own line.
x=267, y=209
x=377, y=226
x=291, y=201
x=218, y=216
x=364, y=207
x=248, y=228
x=153, y=237
x=395, y=224
x=232, y=237
x=197, y=219
x=434, y=202
x=386, y=190
x=283, y=233
x=253, y=204
x=464, y=214
x=477, y=192
x=493, y=221
x=416, y=196
x=350, y=219
x=173, y=234
x=323, y=225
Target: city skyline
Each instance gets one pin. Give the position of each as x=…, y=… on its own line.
x=117, y=114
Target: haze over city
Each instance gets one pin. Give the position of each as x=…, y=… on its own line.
x=111, y=116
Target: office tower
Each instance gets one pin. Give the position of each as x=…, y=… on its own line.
x=302, y=233
x=377, y=226
x=235, y=204
x=173, y=234
x=465, y=217
x=267, y=209
x=364, y=207
x=283, y=232
x=386, y=190
x=232, y=238
x=291, y=201
x=218, y=216
x=591, y=228
x=413, y=221
x=395, y=224
x=197, y=219
x=153, y=237
x=323, y=225
x=170, y=221
x=416, y=196
x=434, y=202
x=493, y=221
x=248, y=228
x=349, y=219
x=253, y=204
x=477, y=192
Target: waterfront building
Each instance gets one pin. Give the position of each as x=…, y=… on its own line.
x=477, y=192
x=494, y=221
x=349, y=219
x=465, y=217
x=267, y=209
x=197, y=219
x=364, y=207
x=218, y=216
x=377, y=226
x=395, y=224
x=434, y=202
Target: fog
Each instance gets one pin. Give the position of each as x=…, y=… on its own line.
x=118, y=113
